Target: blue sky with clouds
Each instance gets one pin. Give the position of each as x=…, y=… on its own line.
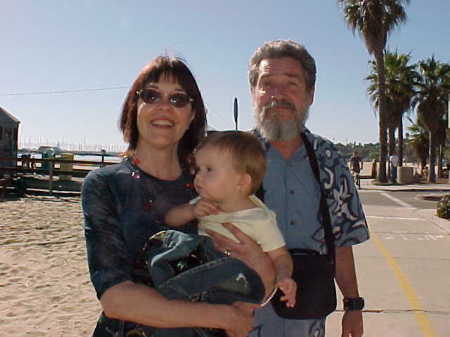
x=50, y=46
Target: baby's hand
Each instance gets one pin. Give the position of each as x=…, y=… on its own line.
x=289, y=288
x=204, y=207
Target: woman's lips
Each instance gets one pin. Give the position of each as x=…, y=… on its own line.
x=162, y=122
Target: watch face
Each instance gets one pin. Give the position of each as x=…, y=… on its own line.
x=351, y=304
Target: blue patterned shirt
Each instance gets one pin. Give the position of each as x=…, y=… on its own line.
x=292, y=191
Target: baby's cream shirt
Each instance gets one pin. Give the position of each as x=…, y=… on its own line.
x=259, y=223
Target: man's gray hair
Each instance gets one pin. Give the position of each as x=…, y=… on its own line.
x=283, y=48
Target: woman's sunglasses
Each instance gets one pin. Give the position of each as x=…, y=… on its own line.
x=177, y=100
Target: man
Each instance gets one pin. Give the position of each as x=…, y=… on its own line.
x=356, y=163
x=282, y=78
x=393, y=160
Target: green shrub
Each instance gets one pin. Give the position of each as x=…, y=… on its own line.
x=443, y=207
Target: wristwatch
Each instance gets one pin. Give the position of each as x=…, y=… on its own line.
x=353, y=303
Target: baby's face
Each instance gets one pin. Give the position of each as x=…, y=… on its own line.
x=216, y=178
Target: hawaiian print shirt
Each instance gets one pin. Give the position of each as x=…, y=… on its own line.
x=292, y=191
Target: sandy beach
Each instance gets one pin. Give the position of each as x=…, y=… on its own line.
x=44, y=282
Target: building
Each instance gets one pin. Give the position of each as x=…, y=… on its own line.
x=9, y=132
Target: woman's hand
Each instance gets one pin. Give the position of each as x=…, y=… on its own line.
x=248, y=251
x=241, y=319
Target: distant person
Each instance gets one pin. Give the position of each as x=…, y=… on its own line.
x=425, y=171
x=374, y=168
x=393, y=161
x=26, y=160
x=230, y=166
x=356, y=164
x=163, y=119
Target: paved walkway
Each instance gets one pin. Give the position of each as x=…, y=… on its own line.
x=403, y=269
x=433, y=189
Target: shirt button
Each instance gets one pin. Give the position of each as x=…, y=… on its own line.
x=292, y=222
x=292, y=191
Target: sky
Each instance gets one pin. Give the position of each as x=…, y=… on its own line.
x=52, y=51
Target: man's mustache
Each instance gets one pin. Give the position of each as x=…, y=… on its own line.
x=279, y=104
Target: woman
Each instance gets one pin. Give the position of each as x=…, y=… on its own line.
x=163, y=119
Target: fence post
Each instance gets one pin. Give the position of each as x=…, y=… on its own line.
x=50, y=173
x=103, y=157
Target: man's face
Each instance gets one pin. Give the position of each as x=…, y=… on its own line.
x=281, y=98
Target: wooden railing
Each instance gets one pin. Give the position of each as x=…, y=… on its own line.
x=50, y=167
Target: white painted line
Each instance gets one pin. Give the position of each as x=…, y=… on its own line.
x=398, y=201
x=392, y=217
x=404, y=237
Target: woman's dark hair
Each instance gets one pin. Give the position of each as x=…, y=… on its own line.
x=175, y=68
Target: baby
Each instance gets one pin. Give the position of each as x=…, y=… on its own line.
x=230, y=166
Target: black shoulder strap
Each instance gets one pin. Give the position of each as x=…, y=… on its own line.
x=326, y=220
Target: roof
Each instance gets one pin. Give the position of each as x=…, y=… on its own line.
x=5, y=116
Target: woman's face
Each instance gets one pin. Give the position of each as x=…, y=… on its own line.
x=164, y=113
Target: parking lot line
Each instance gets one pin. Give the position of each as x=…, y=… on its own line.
x=398, y=201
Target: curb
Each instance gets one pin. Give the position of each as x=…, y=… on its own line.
x=430, y=197
x=404, y=189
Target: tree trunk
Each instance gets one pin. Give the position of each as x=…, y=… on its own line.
x=391, y=140
x=400, y=142
x=379, y=60
x=432, y=156
x=439, y=163
x=391, y=148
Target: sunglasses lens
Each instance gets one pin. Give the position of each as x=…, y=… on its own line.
x=179, y=100
x=150, y=96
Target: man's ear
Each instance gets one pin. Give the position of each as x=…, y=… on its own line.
x=252, y=97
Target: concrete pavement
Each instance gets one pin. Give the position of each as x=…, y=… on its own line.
x=432, y=189
x=404, y=269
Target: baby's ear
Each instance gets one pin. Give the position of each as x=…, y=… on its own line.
x=245, y=182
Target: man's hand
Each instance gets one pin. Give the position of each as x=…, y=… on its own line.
x=204, y=207
x=352, y=324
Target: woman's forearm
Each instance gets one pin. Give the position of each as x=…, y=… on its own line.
x=140, y=304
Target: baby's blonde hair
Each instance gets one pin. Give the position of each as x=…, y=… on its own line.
x=246, y=151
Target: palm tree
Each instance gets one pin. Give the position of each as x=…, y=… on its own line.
x=401, y=78
x=374, y=20
x=431, y=103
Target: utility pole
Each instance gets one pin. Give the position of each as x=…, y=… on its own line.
x=236, y=113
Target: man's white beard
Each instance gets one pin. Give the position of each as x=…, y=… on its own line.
x=274, y=129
